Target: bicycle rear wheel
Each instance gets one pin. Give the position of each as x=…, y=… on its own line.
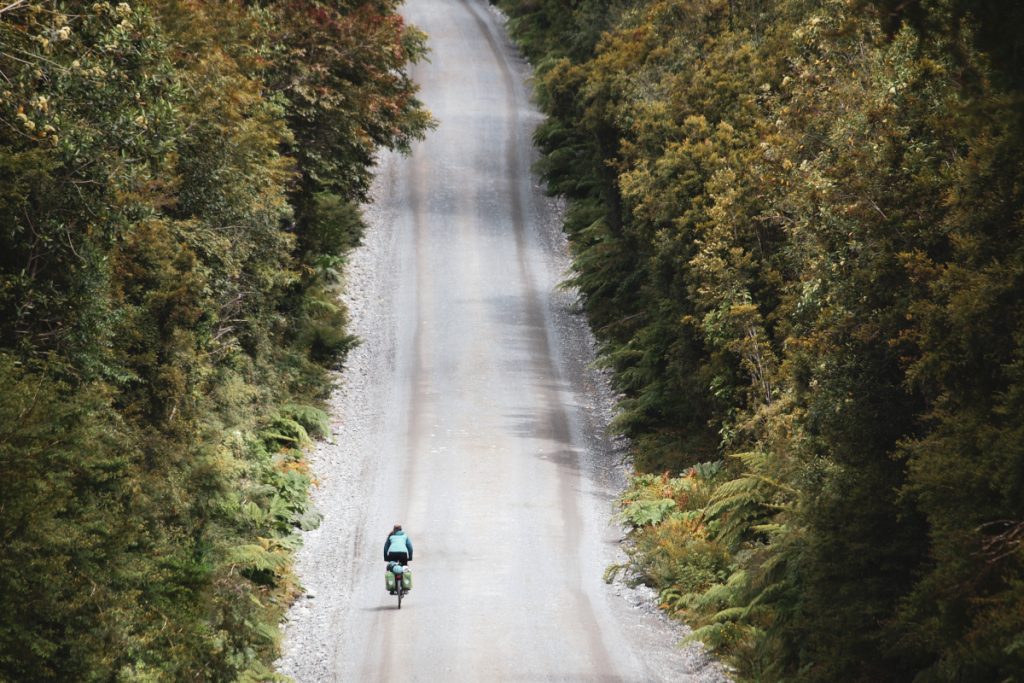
x=401, y=592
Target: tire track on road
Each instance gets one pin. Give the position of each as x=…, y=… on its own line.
x=535, y=321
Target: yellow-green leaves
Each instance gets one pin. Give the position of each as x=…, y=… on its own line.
x=797, y=230
x=178, y=189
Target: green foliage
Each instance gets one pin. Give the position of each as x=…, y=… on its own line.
x=64, y=468
x=335, y=226
x=671, y=547
x=643, y=512
x=797, y=230
x=314, y=420
x=178, y=190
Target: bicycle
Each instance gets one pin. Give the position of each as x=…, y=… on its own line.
x=398, y=571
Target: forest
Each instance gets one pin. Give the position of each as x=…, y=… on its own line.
x=179, y=187
x=798, y=231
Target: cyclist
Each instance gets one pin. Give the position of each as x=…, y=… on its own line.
x=397, y=550
x=398, y=547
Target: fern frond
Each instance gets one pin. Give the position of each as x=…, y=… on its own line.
x=612, y=572
x=648, y=512
x=733, y=487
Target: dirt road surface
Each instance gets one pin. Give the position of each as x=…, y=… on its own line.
x=470, y=415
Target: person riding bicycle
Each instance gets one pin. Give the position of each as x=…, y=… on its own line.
x=398, y=547
x=398, y=551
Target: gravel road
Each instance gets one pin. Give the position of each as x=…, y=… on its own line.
x=471, y=415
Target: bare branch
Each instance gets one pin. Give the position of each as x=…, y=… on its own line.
x=1005, y=543
x=13, y=6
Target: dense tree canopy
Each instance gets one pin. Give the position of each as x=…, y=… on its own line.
x=178, y=188
x=799, y=231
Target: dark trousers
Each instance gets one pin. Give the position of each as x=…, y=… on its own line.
x=400, y=558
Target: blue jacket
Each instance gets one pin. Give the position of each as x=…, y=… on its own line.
x=398, y=542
